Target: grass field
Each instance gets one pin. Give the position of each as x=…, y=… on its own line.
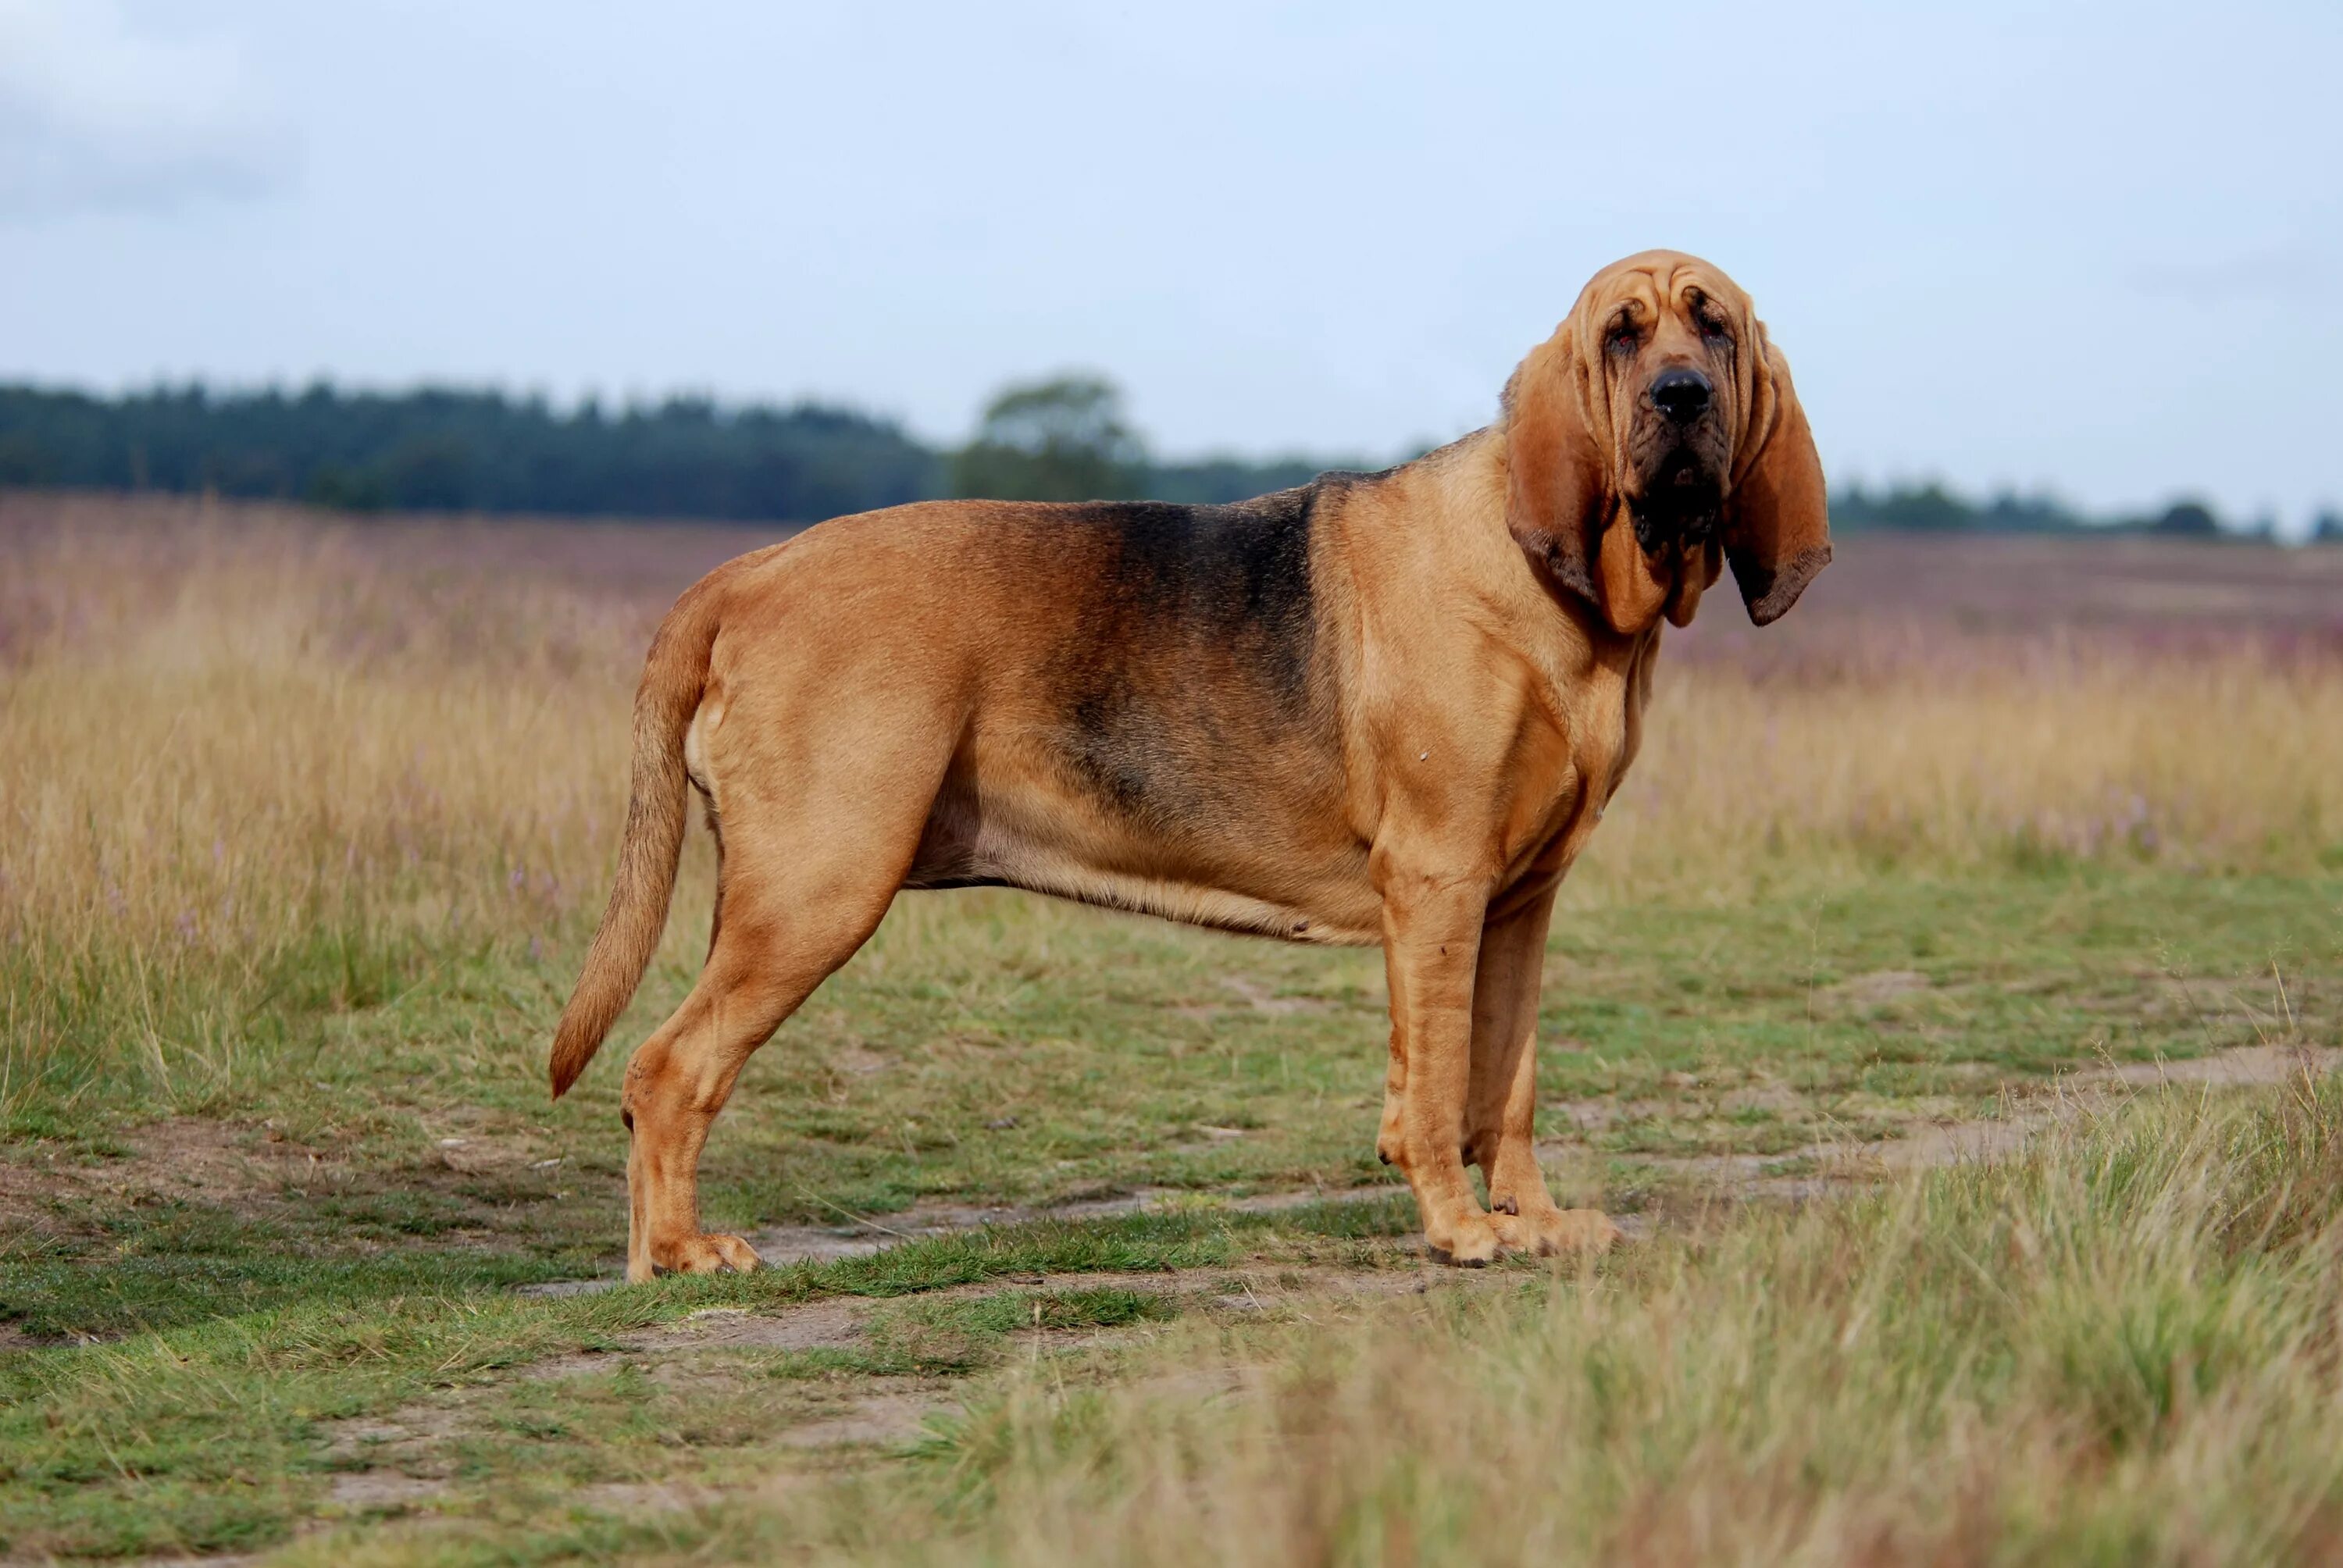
x=1949, y=1004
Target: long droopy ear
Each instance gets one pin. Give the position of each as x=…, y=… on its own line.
x=1557, y=498
x=1778, y=520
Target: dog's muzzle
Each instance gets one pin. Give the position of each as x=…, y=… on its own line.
x=1682, y=501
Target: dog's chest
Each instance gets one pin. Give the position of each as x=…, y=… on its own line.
x=1576, y=771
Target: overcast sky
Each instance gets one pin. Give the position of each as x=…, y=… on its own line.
x=2097, y=249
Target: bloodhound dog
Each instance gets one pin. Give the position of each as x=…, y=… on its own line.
x=1382, y=708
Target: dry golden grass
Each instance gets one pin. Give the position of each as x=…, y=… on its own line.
x=236, y=761
x=2230, y=759
x=278, y=725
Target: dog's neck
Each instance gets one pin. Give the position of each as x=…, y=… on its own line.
x=1451, y=503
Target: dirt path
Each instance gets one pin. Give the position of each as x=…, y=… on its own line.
x=2026, y=1111
x=407, y=1462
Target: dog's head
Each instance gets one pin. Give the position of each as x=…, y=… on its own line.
x=1655, y=437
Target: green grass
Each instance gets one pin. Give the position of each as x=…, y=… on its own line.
x=247, y=1303
x=947, y=1061
x=210, y=1436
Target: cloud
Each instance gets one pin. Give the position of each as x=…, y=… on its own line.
x=97, y=114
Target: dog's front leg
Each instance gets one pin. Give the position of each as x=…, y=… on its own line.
x=1431, y=932
x=1501, y=1115
x=1391, y=1138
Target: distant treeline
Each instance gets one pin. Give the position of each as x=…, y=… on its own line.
x=439, y=449
x=1931, y=509
x=466, y=451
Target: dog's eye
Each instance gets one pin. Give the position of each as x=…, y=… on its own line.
x=1622, y=337
x=1713, y=325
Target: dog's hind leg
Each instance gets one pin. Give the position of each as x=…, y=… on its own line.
x=804, y=885
x=678, y=1080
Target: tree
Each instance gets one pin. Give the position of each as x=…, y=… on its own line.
x=2328, y=528
x=2188, y=519
x=1062, y=439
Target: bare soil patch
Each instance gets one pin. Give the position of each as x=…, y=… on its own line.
x=2246, y=1064
x=1879, y=987
x=395, y=1462
x=817, y=1324
x=883, y=1418
x=2026, y=1114
x=856, y=1236
x=257, y=1172
x=2093, y=1089
x=186, y=1158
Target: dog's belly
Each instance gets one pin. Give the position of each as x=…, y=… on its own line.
x=1306, y=897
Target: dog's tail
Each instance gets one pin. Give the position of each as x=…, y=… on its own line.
x=675, y=675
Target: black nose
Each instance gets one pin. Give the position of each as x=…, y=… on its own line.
x=1682, y=393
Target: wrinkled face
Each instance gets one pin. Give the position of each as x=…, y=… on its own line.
x=1655, y=438
x=1670, y=364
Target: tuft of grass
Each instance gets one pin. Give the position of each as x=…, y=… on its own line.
x=960, y=1334
x=167, y=1276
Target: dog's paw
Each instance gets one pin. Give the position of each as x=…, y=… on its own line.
x=1550, y=1231
x=709, y=1255
x=1469, y=1243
